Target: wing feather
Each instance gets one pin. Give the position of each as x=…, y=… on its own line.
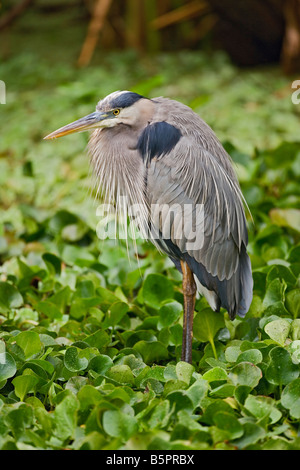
x=189, y=175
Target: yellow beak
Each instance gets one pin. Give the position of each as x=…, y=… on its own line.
x=85, y=123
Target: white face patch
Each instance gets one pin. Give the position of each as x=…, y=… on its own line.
x=128, y=116
x=112, y=122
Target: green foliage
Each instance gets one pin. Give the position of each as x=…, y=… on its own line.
x=90, y=335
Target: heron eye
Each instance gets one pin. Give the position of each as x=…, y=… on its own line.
x=116, y=112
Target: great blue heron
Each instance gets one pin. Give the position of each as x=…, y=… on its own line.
x=159, y=153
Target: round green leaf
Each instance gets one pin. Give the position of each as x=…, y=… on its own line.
x=261, y=407
x=278, y=330
x=184, y=371
x=101, y=364
x=8, y=366
x=252, y=434
x=216, y=373
x=295, y=329
x=121, y=373
x=274, y=293
x=115, y=314
x=169, y=313
x=118, y=424
x=245, y=373
x=292, y=302
x=10, y=297
x=206, y=325
x=281, y=369
x=290, y=398
x=251, y=355
x=88, y=396
x=72, y=360
x=151, y=351
x=228, y=423
x=181, y=400
x=65, y=415
x=30, y=342
x=24, y=384
x=156, y=289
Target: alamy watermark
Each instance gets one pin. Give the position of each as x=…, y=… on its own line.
x=2, y=92
x=296, y=94
x=176, y=222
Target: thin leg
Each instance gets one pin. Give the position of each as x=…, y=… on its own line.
x=189, y=294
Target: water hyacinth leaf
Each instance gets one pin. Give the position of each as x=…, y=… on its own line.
x=169, y=313
x=98, y=340
x=251, y=355
x=80, y=306
x=278, y=330
x=118, y=424
x=216, y=373
x=213, y=408
x=294, y=350
x=121, y=374
x=41, y=367
x=228, y=423
x=197, y=391
x=75, y=383
x=156, y=289
x=274, y=293
x=74, y=232
x=206, y=325
x=284, y=273
x=232, y=353
x=52, y=262
x=30, y=343
x=290, y=398
x=281, y=369
x=19, y=419
x=184, y=371
x=160, y=416
x=151, y=351
x=65, y=416
x=10, y=297
x=292, y=302
x=295, y=329
x=253, y=433
x=88, y=396
x=61, y=298
x=49, y=309
x=261, y=407
x=180, y=400
x=115, y=314
x=73, y=361
x=8, y=366
x=61, y=219
x=101, y=364
x=176, y=334
x=24, y=384
x=245, y=373
x=222, y=391
x=286, y=218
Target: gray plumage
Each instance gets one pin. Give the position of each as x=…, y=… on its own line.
x=159, y=152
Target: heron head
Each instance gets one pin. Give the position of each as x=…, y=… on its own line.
x=121, y=107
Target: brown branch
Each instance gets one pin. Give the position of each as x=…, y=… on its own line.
x=16, y=11
x=96, y=24
x=290, y=54
x=181, y=14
